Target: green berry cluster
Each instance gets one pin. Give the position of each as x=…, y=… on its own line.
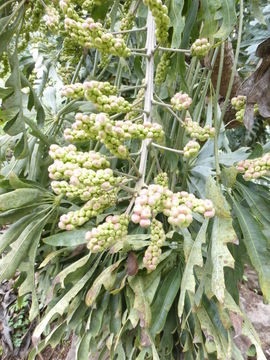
x=162, y=68
x=153, y=252
x=181, y=101
x=90, y=34
x=200, y=47
x=100, y=93
x=137, y=104
x=162, y=20
x=67, y=159
x=239, y=104
x=82, y=129
x=254, y=168
x=191, y=149
x=86, y=184
x=52, y=18
x=91, y=209
x=177, y=207
x=33, y=16
x=111, y=133
x=204, y=207
x=197, y=132
x=107, y=234
x=127, y=23
x=162, y=179
x=89, y=4
x=91, y=90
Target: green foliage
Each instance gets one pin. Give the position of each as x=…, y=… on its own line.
x=206, y=214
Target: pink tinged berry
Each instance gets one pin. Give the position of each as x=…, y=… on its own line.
x=69, y=227
x=61, y=225
x=151, y=201
x=135, y=218
x=144, y=223
x=88, y=235
x=181, y=218
x=209, y=213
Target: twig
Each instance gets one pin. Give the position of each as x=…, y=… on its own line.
x=171, y=111
x=166, y=148
x=185, y=51
x=128, y=31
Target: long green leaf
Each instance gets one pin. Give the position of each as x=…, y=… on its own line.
x=163, y=302
x=195, y=258
x=257, y=246
x=228, y=19
x=62, y=304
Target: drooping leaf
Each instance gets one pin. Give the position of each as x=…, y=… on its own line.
x=106, y=279
x=20, y=197
x=61, y=306
x=67, y=238
x=228, y=19
x=195, y=258
x=141, y=304
x=256, y=244
x=222, y=234
x=163, y=302
x=177, y=21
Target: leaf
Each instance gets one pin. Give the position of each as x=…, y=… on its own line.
x=10, y=262
x=228, y=19
x=256, y=245
x=60, y=307
x=256, y=11
x=19, y=198
x=67, y=238
x=21, y=148
x=70, y=269
x=213, y=192
x=211, y=332
x=14, y=231
x=106, y=278
x=177, y=21
x=194, y=258
x=228, y=176
x=247, y=327
x=163, y=302
x=50, y=257
x=141, y=304
x=222, y=234
x=208, y=11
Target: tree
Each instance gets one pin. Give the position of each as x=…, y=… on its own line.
x=132, y=207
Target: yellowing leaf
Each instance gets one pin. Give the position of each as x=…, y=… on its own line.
x=222, y=234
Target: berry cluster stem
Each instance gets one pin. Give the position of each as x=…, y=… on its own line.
x=149, y=81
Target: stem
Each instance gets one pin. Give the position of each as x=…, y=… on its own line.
x=173, y=50
x=170, y=110
x=128, y=88
x=134, y=166
x=139, y=54
x=128, y=31
x=168, y=149
x=123, y=174
x=77, y=70
x=36, y=131
x=220, y=70
x=149, y=80
x=6, y=4
x=234, y=65
x=161, y=104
